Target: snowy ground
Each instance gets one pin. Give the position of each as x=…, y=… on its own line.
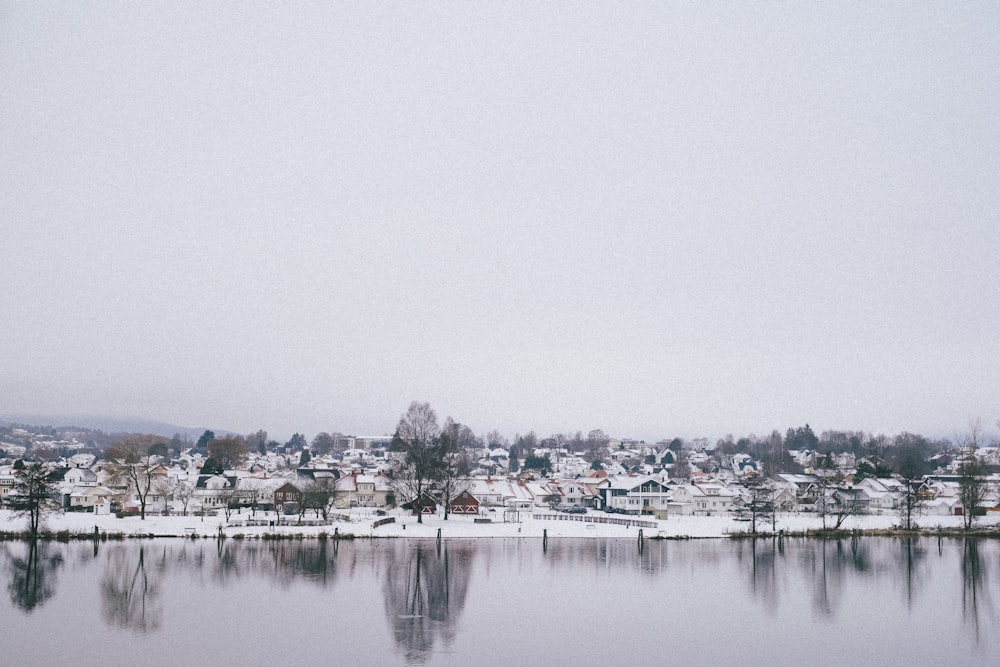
x=360, y=524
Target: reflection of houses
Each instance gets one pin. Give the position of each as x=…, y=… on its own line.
x=357, y=490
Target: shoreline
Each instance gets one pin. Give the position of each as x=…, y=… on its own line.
x=366, y=524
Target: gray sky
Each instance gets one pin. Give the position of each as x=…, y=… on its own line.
x=654, y=219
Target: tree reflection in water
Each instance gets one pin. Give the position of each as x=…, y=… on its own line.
x=425, y=591
x=284, y=561
x=828, y=564
x=763, y=579
x=975, y=597
x=913, y=557
x=32, y=577
x=130, y=591
x=831, y=565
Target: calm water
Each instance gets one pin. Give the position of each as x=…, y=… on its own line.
x=504, y=602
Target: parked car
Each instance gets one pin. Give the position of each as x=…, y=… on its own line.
x=577, y=510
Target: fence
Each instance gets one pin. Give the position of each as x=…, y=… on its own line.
x=587, y=518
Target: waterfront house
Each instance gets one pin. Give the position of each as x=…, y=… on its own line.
x=464, y=503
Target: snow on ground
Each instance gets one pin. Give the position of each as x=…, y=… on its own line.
x=360, y=524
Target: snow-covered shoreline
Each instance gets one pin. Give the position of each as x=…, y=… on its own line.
x=361, y=524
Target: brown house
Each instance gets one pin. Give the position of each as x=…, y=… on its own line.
x=423, y=505
x=286, y=493
x=464, y=503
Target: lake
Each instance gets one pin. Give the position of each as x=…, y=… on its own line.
x=869, y=600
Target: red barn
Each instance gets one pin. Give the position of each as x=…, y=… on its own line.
x=464, y=503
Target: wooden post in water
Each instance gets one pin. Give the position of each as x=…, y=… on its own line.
x=545, y=540
x=640, y=540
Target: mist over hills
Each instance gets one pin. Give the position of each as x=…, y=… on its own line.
x=107, y=424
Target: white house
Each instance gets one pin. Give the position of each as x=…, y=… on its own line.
x=704, y=499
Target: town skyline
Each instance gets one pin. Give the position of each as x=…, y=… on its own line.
x=988, y=431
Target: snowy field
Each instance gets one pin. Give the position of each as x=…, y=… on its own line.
x=360, y=523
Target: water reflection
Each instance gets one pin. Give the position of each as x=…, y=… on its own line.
x=976, y=599
x=438, y=600
x=913, y=553
x=32, y=575
x=425, y=589
x=131, y=597
x=764, y=554
x=282, y=562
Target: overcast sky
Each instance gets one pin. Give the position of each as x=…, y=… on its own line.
x=655, y=219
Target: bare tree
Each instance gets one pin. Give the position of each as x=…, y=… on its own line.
x=455, y=465
x=322, y=444
x=257, y=442
x=823, y=497
x=133, y=464
x=758, y=500
x=596, y=446
x=229, y=495
x=182, y=492
x=250, y=491
x=495, y=439
x=972, y=487
x=681, y=468
x=230, y=452
x=910, y=466
x=320, y=495
x=418, y=435
x=849, y=504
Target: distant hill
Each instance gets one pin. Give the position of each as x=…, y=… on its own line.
x=107, y=424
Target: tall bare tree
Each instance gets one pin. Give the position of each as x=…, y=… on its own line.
x=182, y=492
x=230, y=452
x=133, y=464
x=454, y=442
x=322, y=444
x=758, y=499
x=972, y=486
x=320, y=495
x=418, y=434
x=910, y=465
x=596, y=446
x=257, y=442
